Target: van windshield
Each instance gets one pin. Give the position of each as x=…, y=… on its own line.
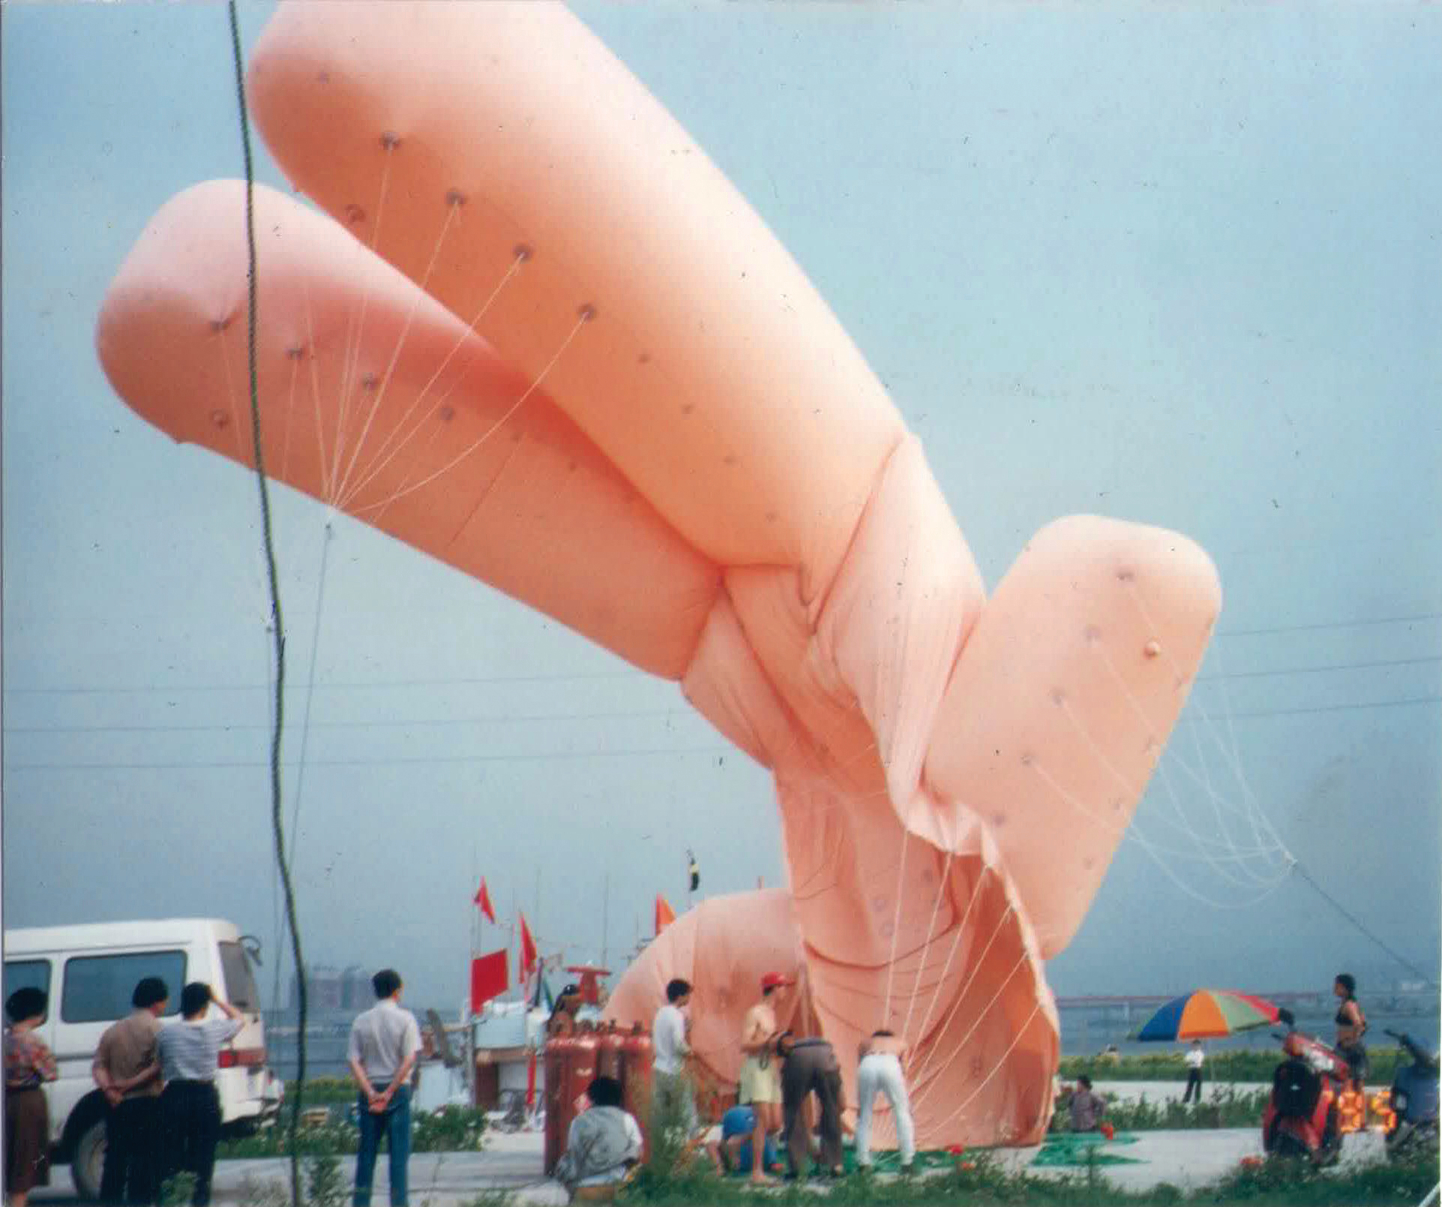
x=240, y=990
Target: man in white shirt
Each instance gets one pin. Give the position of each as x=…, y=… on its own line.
x=1195, y=1059
x=669, y=1035
x=384, y=1044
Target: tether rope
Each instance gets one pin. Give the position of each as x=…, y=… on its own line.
x=276, y=819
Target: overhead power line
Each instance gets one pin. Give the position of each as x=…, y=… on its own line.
x=1331, y=624
x=351, y=685
x=378, y=762
x=482, y=680
x=397, y=723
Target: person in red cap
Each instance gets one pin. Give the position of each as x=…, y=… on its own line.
x=760, y=1073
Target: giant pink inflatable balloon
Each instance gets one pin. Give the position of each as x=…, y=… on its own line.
x=541, y=338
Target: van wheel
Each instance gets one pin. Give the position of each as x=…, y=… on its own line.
x=88, y=1161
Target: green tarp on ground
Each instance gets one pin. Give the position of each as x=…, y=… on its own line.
x=1085, y=1148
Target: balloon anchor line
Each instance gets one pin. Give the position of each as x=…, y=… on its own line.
x=1296, y=865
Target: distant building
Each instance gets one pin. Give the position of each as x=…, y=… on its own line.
x=330, y=988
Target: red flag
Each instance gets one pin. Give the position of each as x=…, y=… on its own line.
x=665, y=915
x=528, y=950
x=490, y=977
x=483, y=899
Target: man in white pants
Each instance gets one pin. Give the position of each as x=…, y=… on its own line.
x=880, y=1072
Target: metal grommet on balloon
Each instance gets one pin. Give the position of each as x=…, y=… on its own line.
x=390, y=140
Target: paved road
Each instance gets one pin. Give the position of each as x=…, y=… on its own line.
x=509, y=1162
x=513, y=1162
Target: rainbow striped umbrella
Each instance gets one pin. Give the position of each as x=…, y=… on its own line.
x=1208, y=1014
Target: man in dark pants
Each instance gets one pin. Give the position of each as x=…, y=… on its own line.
x=189, y=1053
x=385, y=1043
x=125, y=1069
x=811, y=1066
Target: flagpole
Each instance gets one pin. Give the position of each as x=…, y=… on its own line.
x=605, y=918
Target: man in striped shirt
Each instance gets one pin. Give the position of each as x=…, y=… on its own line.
x=189, y=1055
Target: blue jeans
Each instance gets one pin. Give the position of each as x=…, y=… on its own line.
x=395, y=1124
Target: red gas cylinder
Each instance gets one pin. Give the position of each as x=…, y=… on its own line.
x=574, y=1068
x=557, y=1058
x=637, y=1063
x=609, y=1056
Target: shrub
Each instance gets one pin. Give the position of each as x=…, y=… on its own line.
x=452, y=1129
x=1255, y=1065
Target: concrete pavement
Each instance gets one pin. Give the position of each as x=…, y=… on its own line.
x=513, y=1162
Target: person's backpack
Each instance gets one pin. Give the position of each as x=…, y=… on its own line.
x=1295, y=1089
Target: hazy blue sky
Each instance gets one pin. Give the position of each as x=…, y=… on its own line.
x=1180, y=265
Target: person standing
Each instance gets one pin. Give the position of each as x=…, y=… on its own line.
x=1195, y=1059
x=28, y=1065
x=879, y=1071
x=128, y=1073
x=1087, y=1107
x=189, y=1053
x=760, y=1082
x=670, y=1035
x=1351, y=1026
x=811, y=1066
x=384, y=1044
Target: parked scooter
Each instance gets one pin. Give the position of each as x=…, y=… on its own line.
x=1414, y=1098
x=1300, y=1119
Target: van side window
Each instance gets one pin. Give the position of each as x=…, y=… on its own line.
x=98, y=988
x=27, y=974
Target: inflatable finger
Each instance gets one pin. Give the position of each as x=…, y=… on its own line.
x=476, y=144
x=375, y=400
x=1062, y=700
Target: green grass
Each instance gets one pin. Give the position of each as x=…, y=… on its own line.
x=324, y=1091
x=978, y=1180
x=452, y=1129
x=1224, y=1106
x=1169, y=1065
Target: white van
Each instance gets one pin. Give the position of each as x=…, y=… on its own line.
x=89, y=973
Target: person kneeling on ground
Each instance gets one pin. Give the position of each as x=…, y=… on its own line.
x=604, y=1140
x=1087, y=1107
x=734, y=1152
